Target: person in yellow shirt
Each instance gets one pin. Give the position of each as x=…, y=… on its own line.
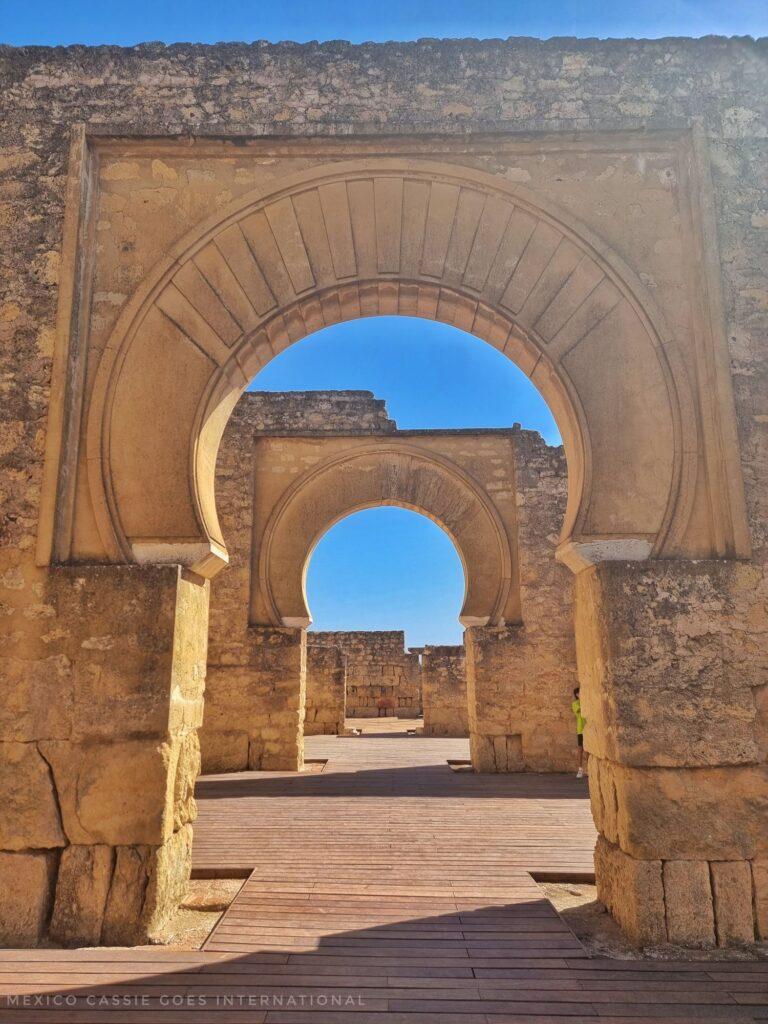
x=580, y=723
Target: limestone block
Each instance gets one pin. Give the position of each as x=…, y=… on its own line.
x=496, y=753
x=632, y=892
x=170, y=869
x=114, y=793
x=326, y=692
x=760, y=694
x=549, y=745
x=223, y=751
x=30, y=814
x=688, y=901
x=662, y=683
x=603, y=799
x=133, y=640
x=37, y=699
x=505, y=699
x=760, y=890
x=27, y=881
x=85, y=873
x=124, y=923
x=444, y=691
x=732, y=891
x=148, y=883
x=187, y=771
x=684, y=814
x=264, y=698
x=190, y=652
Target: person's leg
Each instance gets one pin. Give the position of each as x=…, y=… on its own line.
x=580, y=741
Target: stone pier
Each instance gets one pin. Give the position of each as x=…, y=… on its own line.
x=444, y=691
x=326, y=690
x=674, y=667
x=99, y=755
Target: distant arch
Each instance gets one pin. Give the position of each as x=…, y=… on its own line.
x=394, y=474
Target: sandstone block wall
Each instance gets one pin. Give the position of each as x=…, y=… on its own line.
x=326, y=690
x=520, y=677
x=254, y=707
x=99, y=755
x=673, y=677
x=382, y=678
x=444, y=691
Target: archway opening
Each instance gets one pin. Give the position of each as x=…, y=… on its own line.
x=400, y=411
x=385, y=586
x=387, y=569
x=431, y=374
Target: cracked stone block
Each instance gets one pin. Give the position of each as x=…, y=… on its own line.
x=85, y=874
x=30, y=817
x=732, y=890
x=688, y=900
x=632, y=892
x=27, y=882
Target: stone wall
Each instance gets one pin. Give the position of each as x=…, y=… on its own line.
x=444, y=691
x=267, y=412
x=520, y=677
x=100, y=756
x=673, y=677
x=326, y=690
x=382, y=678
x=254, y=704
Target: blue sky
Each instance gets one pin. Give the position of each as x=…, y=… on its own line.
x=56, y=22
x=390, y=568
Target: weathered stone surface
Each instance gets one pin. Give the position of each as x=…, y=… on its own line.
x=326, y=691
x=679, y=814
x=124, y=648
x=263, y=695
x=632, y=891
x=760, y=890
x=732, y=892
x=189, y=653
x=30, y=813
x=545, y=650
x=37, y=699
x=381, y=676
x=665, y=680
x=27, y=881
x=170, y=868
x=82, y=886
x=223, y=751
x=504, y=735
x=187, y=771
x=117, y=793
x=690, y=917
x=444, y=691
x=123, y=923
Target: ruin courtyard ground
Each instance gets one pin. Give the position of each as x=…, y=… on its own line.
x=383, y=886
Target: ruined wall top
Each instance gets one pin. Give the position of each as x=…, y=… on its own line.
x=447, y=85
x=362, y=643
x=301, y=412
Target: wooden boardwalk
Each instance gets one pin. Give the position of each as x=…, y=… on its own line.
x=384, y=888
